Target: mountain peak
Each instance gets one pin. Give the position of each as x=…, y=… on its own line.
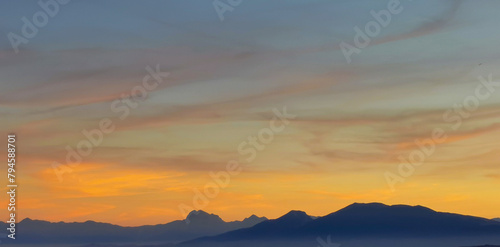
x=202, y=217
x=380, y=206
x=295, y=213
x=253, y=218
x=26, y=220
x=368, y=205
x=295, y=217
x=197, y=212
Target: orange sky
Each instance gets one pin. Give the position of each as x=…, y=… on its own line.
x=351, y=121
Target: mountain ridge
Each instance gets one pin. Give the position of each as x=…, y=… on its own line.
x=362, y=220
x=355, y=221
x=196, y=224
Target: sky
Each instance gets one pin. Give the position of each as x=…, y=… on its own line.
x=354, y=115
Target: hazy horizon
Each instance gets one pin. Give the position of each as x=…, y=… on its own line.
x=252, y=214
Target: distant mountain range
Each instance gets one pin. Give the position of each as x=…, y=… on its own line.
x=371, y=224
x=496, y=219
x=196, y=224
x=357, y=222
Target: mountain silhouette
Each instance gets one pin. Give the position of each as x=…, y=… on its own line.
x=196, y=224
x=359, y=224
x=361, y=221
x=398, y=220
x=281, y=226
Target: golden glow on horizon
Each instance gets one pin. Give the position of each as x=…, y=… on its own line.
x=150, y=194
